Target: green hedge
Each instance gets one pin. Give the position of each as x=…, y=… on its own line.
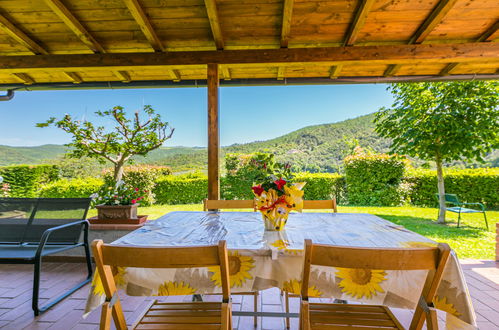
x=374, y=179
x=71, y=188
x=25, y=180
x=181, y=189
x=322, y=185
x=471, y=185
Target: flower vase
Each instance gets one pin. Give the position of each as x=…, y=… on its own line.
x=274, y=221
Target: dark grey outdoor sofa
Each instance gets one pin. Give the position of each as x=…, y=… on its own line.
x=31, y=228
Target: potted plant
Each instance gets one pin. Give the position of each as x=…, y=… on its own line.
x=275, y=195
x=118, y=204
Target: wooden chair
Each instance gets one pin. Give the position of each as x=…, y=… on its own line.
x=341, y=316
x=328, y=204
x=192, y=315
x=211, y=204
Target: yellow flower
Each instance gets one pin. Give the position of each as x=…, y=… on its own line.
x=118, y=279
x=294, y=286
x=361, y=282
x=175, y=289
x=413, y=244
x=239, y=267
x=294, y=195
x=443, y=305
x=283, y=245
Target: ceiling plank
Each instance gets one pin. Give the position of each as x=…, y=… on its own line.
x=281, y=71
x=335, y=71
x=15, y=33
x=74, y=77
x=175, y=75
x=123, y=76
x=24, y=78
x=435, y=18
x=211, y=9
x=484, y=37
x=287, y=14
x=387, y=54
x=145, y=25
x=74, y=25
x=358, y=21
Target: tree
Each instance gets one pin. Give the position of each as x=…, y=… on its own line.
x=130, y=136
x=442, y=121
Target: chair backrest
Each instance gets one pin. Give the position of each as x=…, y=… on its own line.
x=433, y=259
x=450, y=198
x=109, y=256
x=211, y=204
x=15, y=215
x=321, y=205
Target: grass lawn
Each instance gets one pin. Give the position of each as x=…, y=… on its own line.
x=471, y=240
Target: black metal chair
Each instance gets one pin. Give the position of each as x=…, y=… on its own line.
x=31, y=228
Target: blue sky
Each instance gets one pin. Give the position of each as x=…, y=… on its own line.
x=247, y=113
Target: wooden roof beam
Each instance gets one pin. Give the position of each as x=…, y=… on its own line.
x=18, y=35
x=281, y=71
x=436, y=16
x=488, y=35
x=174, y=75
x=335, y=71
x=144, y=24
x=211, y=10
x=358, y=21
x=24, y=78
x=287, y=13
x=74, y=25
x=123, y=76
x=74, y=77
x=226, y=72
x=385, y=54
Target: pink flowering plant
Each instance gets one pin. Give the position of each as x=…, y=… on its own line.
x=4, y=190
x=118, y=194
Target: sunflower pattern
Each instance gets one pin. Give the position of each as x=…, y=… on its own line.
x=175, y=289
x=239, y=267
x=442, y=304
x=282, y=245
x=119, y=279
x=360, y=283
x=294, y=286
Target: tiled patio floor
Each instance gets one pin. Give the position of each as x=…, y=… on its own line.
x=16, y=313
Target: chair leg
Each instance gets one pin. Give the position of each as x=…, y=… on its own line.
x=255, y=306
x=286, y=303
x=486, y=223
x=458, y=219
x=36, y=285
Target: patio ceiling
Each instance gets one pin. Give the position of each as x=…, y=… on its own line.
x=87, y=42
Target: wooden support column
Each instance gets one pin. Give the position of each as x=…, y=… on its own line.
x=213, y=134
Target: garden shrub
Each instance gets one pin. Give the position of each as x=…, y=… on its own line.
x=143, y=177
x=374, y=179
x=25, y=180
x=75, y=188
x=470, y=185
x=181, y=189
x=322, y=185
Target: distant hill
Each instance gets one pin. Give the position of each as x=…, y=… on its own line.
x=318, y=148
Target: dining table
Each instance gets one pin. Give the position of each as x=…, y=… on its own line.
x=260, y=259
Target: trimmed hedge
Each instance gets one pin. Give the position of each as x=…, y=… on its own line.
x=25, y=180
x=71, y=188
x=470, y=185
x=322, y=185
x=181, y=189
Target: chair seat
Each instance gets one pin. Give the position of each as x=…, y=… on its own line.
x=182, y=316
x=463, y=210
x=342, y=316
x=27, y=252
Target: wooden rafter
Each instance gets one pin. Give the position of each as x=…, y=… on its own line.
x=174, y=75
x=123, y=76
x=226, y=72
x=74, y=77
x=287, y=13
x=211, y=10
x=145, y=25
x=484, y=37
x=281, y=72
x=358, y=21
x=387, y=54
x=436, y=16
x=74, y=25
x=21, y=37
x=335, y=71
x=24, y=78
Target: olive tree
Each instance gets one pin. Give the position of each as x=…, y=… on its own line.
x=442, y=121
x=130, y=136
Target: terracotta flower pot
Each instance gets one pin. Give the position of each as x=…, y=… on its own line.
x=117, y=211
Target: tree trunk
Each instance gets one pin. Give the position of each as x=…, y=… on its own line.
x=118, y=171
x=441, y=189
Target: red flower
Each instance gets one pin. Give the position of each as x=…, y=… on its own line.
x=258, y=190
x=134, y=201
x=136, y=189
x=280, y=183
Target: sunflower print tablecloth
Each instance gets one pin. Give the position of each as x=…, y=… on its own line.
x=260, y=259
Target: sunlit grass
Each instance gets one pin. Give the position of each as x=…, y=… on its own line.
x=471, y=240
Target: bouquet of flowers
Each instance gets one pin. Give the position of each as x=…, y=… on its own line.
x=276, y=196
x=119, y=194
